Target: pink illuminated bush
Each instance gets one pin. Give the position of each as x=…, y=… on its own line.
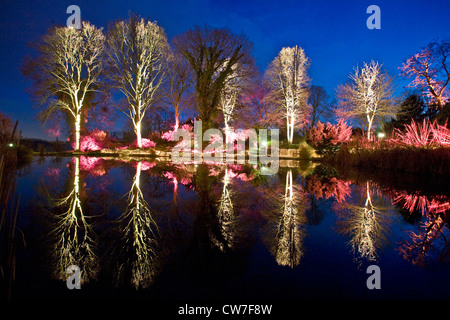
x=94, y=141
x=328, y=138
x=146, y=143
x=169, y=134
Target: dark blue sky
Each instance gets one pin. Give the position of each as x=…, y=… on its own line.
x=332, y=32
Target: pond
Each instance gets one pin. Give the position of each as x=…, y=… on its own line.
x=154, y=230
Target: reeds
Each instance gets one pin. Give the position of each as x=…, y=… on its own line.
x=432, y=161
x=9, y=208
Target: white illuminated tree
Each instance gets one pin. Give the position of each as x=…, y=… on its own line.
x=368, y=97
x=287, y=75
x=136, y=49
x=229, y=95
x=67, y=71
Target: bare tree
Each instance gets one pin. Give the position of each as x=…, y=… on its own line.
x=214, y=55
x=368, y=97
x=287, y=75
x=254, y=108
x=430, y=71
x=319, y=103
x=235, y=83
x=177, y=93
x=136, y=49
x=67, y=71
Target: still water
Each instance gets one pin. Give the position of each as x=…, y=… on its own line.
x=146, y=229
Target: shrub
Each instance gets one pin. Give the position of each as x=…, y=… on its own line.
x=329, y=138
x=94, y=141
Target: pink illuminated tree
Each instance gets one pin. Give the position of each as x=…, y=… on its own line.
x=430, y=72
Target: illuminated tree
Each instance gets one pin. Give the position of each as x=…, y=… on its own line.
x=430, y=71
x=136, y=49
x=67, y=71
x=287, y=75
x=368, y=97
x=214, y=56
x=232, y=90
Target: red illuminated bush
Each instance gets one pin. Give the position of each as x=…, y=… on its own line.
x=94, y=141
x=328, y=138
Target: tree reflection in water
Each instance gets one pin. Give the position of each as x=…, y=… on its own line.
x=219, y=212
x=138, y=248
x=429, y=238
x=72, y=236
x=286, y=219
x=366, y=223
x=210, y=229
x=225, y=213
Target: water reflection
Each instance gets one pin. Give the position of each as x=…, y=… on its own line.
x=429, y=240
x=72, y=235
x=365, y=222
x=285, y=211
x=225, y=213
x=129, y=228
x=137, y=256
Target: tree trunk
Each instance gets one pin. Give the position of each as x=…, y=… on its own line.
x=137, y=130
x=369, y=128
x=290, y=128
x=77, y=132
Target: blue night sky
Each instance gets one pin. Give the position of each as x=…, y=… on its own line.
x=333, y=34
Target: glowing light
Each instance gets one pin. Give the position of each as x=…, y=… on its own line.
x=381, y=135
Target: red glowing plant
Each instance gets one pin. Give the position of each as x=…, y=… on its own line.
x=423, y=135
x=94, y=141
x=328, y=138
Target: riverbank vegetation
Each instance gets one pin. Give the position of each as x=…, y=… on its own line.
x=132, y=68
